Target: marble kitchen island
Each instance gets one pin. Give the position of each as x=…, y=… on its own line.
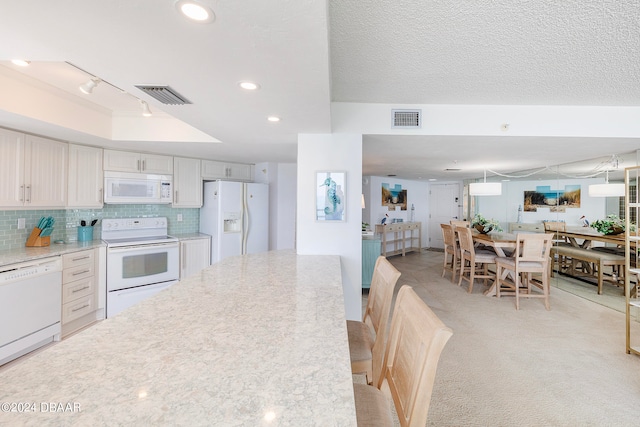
x=253, y=340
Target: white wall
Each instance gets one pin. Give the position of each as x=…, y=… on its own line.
x=417, y=194
x=333, y=152
x=504, y=208
x=281, y=178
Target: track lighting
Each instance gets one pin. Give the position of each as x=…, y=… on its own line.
x=88, y=87
x=146, y=111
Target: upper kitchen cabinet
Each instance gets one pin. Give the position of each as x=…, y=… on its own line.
x=85, y=177
x=222, y=170
x=127, y=161
x=33, y=170
x=187, y=183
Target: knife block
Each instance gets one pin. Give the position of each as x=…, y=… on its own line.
x=35, y=240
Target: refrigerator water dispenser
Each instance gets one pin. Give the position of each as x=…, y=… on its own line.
x=232, y=222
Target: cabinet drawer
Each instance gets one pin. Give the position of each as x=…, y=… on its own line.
x=78, y=258
x=76, y=273
x=78, y=308
x=78, y=289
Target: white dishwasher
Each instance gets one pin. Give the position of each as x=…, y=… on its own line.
x=30, y=306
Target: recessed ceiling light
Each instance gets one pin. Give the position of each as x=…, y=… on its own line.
x=432, y=179
x=273, y=118
x=20, y=62
x=249, y=85
x=195, y=11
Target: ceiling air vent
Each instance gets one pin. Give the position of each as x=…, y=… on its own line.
x=406, y=119
x=164, y=94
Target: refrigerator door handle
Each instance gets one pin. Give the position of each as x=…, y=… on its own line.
x=245, y=218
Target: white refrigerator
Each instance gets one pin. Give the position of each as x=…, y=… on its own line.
x=236, y=215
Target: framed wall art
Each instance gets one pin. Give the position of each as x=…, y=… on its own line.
x=331, y=196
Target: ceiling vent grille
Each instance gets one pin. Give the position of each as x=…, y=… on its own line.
x=406, y=119
x=164, y=94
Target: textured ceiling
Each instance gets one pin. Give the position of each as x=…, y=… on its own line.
x=307, y=53
x=548, y=52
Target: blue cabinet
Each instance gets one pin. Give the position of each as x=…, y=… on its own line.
x=370, y=253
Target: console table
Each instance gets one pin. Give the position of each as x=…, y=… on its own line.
x=399, y=238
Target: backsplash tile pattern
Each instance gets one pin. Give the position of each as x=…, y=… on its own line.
x=67, y=221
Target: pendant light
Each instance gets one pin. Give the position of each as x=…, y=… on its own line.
x=606, y=189
x=485, y=188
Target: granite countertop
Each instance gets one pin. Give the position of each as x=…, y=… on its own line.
x=252, y=340
x=12, y=256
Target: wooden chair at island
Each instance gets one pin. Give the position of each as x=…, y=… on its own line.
x=474, y=262
x=451, y=249
x=406, y=377
x=532, y=256
x=367, y=338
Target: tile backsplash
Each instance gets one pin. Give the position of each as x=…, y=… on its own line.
x=67, y=221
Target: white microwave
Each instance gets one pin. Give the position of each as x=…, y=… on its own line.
x=136, y=188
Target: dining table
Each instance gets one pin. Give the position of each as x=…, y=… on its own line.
x=584, y=237
x=499, y=241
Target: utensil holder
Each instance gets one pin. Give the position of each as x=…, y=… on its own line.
x=85, y=234
x=35, y=240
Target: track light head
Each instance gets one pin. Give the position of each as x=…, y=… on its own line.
x=88, y=87
x=146, y=111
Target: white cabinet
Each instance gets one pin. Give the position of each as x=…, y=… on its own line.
x=194, y=255
x=222, y=170
x=127, y=161
x=79, y=289
x=85, y=177
x=32, y=171
x=187, y=183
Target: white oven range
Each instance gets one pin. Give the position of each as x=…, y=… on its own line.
x=142, y=260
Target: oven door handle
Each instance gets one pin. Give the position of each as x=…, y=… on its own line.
x=138, y=247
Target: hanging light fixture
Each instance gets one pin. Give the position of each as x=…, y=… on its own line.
x=606, y=189
x=485, y=188
x=146, y=111
x=88, y=87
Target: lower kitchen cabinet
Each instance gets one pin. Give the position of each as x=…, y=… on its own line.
x=80, y=290
x=195, y=254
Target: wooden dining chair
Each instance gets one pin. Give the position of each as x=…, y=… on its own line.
x=367, y=338
x=459, y=223
x=451, y=251
x=416, y=340
x=516, y=273
x=474, y=262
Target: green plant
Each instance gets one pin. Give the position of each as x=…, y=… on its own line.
x=487, y=224
x=612, y=224
x=364, y=225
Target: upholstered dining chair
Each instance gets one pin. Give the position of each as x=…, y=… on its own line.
x=416, y=340
x=516, y=273
x=367, y=338
x=474, y=262
x=451, y=250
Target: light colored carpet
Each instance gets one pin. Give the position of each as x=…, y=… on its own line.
x=502, y=367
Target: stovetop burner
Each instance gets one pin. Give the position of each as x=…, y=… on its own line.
x=135, y=231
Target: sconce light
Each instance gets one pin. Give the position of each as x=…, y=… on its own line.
x=485, y=188
x=606, y=189
x=87, y=88
x=363, y=206
x=146, y=111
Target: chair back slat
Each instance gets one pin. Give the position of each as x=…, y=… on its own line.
x=416, y=340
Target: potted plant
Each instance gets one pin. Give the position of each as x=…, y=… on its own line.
x=365, y=225
x=612, y=224
x=484, y=225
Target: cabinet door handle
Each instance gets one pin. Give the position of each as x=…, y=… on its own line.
x=176, y=196
x=184, y=255
x=22, y=193
x=138, y=167
x=80, y=272
x=144, y=165
x=29, y=194
x=80, y=308
x=100, y=195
